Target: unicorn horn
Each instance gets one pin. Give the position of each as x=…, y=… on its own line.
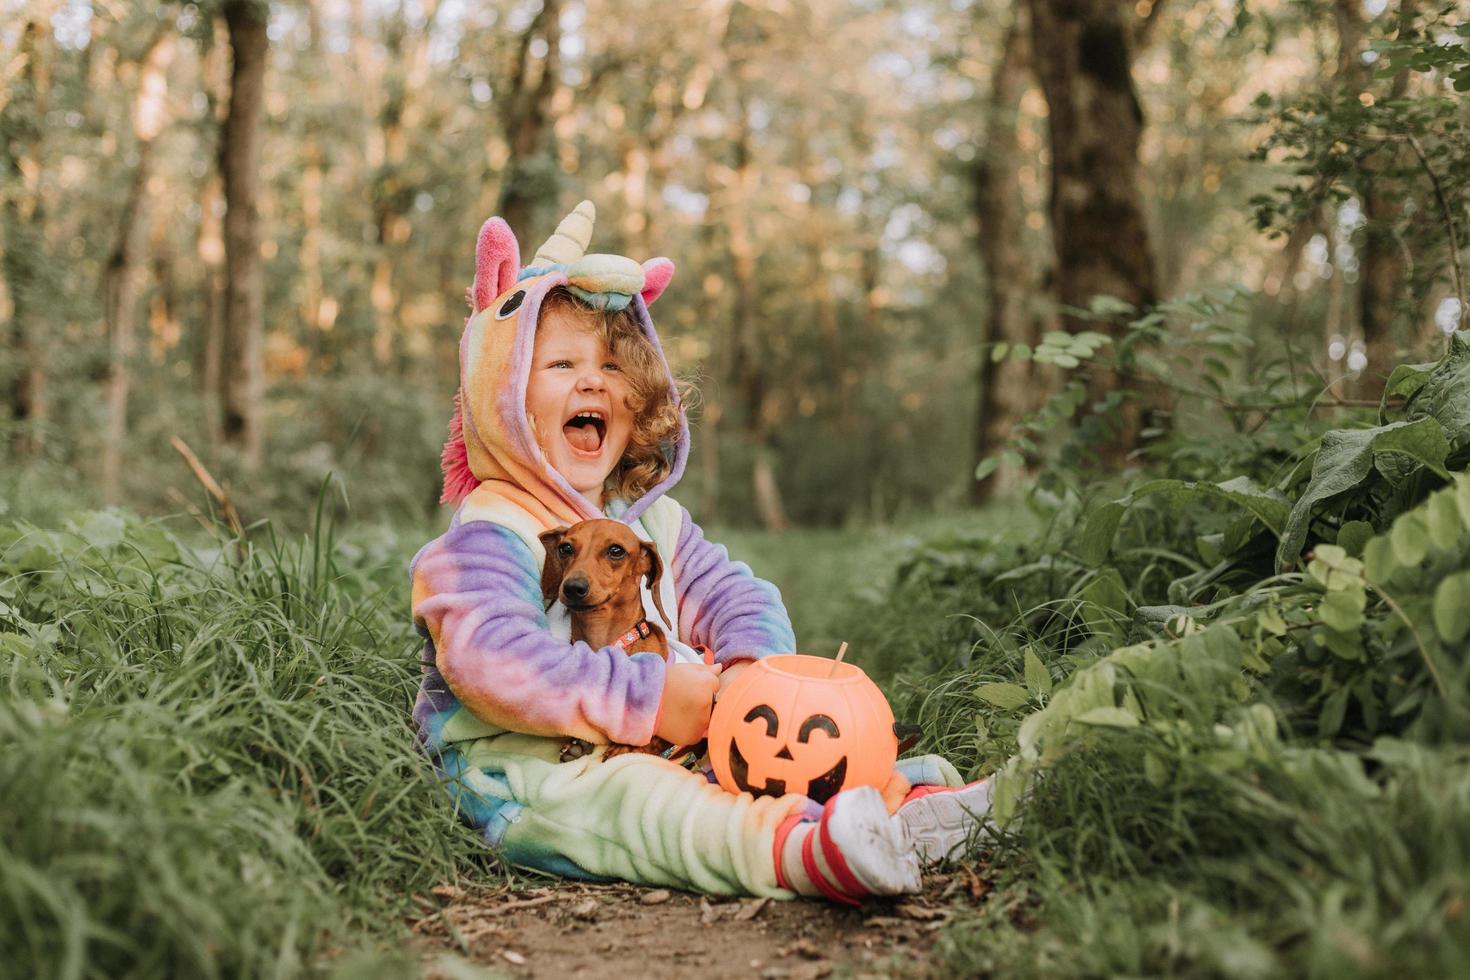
x=569, y=242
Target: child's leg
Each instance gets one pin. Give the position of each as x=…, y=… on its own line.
x=637, y=818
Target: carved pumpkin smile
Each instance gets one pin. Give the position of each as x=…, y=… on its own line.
x=799, y=724
x=820, y=788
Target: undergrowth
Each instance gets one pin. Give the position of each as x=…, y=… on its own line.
x=1225, y=699
x=206, y=762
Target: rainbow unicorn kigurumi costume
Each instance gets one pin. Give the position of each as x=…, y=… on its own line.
x=504, y=687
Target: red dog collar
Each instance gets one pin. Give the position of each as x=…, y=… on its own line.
x=641, y=631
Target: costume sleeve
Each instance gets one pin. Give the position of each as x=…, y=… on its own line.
x=477, y=593
x=722, y=605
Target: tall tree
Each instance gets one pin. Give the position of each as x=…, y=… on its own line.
x=401, y=116
x=244, y=382
x=1084, y=63
x=1011, y=279
x=120, y=279
x=21, y=131
x=527, y=181
x=1381, y=258
x=209, y=242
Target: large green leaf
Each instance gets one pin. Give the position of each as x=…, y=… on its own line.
x=1345, y=460
x=1445, y=396
x=1404, y=382
x=1097, y=536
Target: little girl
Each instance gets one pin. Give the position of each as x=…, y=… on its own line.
x=567, y=412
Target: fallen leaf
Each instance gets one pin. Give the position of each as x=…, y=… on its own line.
x=657, y=897
x=749, y=910
x=922, y=913
x=448, y=891
x=804, y=948
x=511, y=956
x=978, y=887
x=884, y=922
x=708, y=914
x=585, y=909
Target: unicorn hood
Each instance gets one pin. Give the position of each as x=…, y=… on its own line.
x=492, y=453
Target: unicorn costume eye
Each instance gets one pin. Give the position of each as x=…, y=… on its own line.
x=511, y=304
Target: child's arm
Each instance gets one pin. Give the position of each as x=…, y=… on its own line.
x=722, y=605
x=477, y=592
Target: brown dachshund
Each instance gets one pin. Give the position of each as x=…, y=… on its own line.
x=595, y=568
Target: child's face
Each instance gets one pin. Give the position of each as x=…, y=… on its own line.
x=575, y=399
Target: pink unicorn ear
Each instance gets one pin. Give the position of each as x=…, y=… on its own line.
x=656, y=276
x=497, y=261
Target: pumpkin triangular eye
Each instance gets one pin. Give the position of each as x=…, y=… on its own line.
x=768, y=713
x=815, y=722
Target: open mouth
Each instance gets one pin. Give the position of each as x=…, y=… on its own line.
x=585, y=431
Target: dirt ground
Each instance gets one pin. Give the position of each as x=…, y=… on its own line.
x=580, y=930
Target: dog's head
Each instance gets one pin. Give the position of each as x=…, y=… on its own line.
x=590, y=563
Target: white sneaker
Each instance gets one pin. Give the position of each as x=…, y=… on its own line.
x=868, y=841
x=940, y=823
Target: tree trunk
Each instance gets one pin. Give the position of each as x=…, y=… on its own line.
x=1084, y=64
x=22, y=122
x=120, y=279
x=1383, y=269
x=312, y=297
x=526, y=184
x=401, y=117
x=209, y=242
x=240, y=166
x=1004, y=386
x=750, y=360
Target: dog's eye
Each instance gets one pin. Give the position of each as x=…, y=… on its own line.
x=565, y=549
x=616, y=551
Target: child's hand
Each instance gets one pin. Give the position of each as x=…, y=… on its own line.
x=689, y=694
x=731, y=672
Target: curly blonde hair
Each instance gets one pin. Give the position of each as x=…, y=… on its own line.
x=648, y=460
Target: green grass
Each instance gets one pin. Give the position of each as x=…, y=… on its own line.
x=206, y=761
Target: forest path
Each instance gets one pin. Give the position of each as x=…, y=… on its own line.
x=574, y=929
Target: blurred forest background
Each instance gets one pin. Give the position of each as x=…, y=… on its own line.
x=250, y=225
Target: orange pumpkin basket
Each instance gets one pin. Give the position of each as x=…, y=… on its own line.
x=800, y=724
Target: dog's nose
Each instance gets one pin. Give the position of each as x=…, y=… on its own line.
x=575, y=589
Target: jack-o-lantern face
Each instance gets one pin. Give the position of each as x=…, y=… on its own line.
x=786, y=726
x=819, y=788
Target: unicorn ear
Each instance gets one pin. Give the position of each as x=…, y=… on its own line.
x=656, y=276
x=497, y=262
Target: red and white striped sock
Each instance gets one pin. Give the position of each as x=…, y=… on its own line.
x=854, y=851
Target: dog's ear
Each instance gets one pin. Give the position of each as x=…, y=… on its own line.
x=653, y=573
x=551, y=567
